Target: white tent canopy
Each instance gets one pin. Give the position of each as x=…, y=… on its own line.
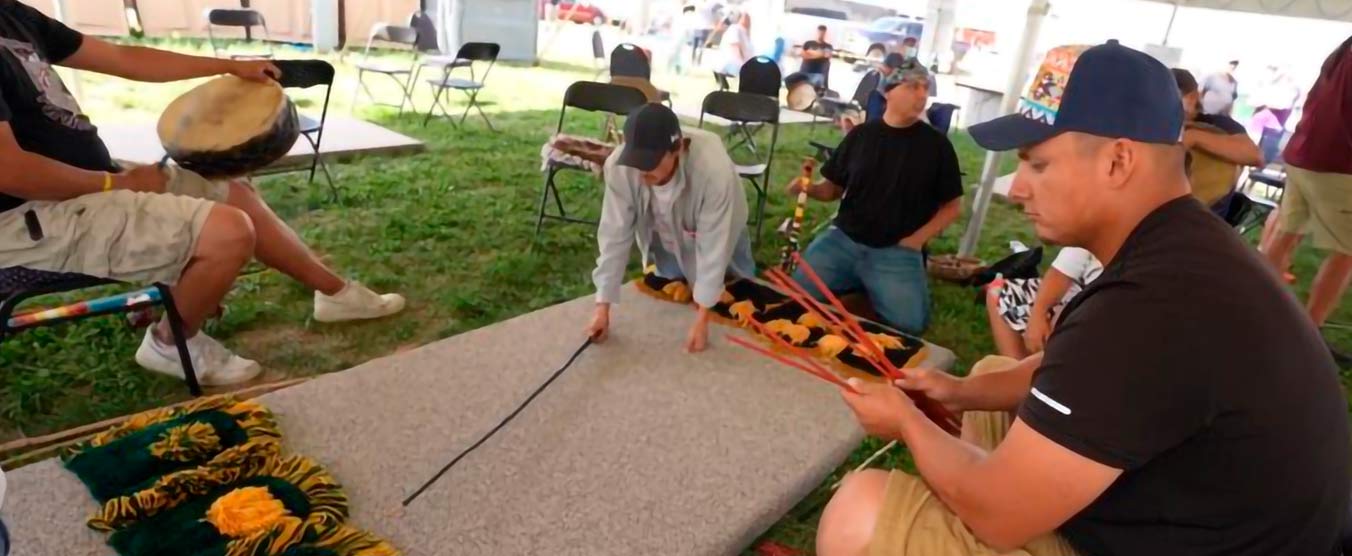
x=1327, y=10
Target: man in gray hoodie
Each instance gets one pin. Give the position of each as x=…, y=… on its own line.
x=678, y=194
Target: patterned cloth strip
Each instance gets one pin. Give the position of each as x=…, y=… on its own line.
x=99, y=306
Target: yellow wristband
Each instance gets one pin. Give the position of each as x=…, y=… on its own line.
x=107, y=181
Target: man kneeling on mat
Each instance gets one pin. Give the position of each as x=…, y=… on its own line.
x=1183, y=405
x=677, y=192
x=65, y=206
x=899, y=185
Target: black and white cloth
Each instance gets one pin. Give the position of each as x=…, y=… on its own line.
x=1016, y=296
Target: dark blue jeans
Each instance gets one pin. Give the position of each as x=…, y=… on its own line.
x=4, y=540
x=894, y=277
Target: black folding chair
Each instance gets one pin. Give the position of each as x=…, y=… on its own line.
x=238, y=17
x=758, y=76
x=942, y=116
x=303, y=74
x=399, y=73
x=748, y=109
x=761, y=76
x=473, y=52
x=837, y=106
x=627, y=60
x=18, y=285
x=429, y=50
x=615, y=100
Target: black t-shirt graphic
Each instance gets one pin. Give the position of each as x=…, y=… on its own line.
x=1191, y=367
x=819, y=65
x=895, y=179
x=40, y=110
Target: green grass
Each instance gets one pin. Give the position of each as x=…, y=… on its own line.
x=451, y=228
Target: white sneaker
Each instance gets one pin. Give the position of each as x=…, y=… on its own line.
x=356, y=302
x=212, y=362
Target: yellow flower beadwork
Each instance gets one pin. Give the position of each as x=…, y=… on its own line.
x=245, y=511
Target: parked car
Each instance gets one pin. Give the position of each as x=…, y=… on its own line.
x=577, y=12
x=885, y=35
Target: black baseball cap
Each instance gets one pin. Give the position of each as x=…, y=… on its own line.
x=650, y=133
x=1107, y=90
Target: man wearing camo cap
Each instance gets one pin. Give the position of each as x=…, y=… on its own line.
x=898, y=183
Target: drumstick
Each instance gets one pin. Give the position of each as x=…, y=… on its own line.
x=934, y=410
x=833, y=323
x=804, y=180
x=785, y=360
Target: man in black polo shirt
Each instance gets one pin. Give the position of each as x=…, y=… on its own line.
x=1184, y=405
x=898, y=183
x=65, y=206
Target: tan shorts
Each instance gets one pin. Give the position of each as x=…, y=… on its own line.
x=1319, y=204
x=121, y=235
x=914, y=522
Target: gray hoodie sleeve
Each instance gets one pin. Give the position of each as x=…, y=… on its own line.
x=715, y=244
x=615, y=235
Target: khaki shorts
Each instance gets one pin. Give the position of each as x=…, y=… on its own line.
x=1319, y=204
x=914, y=522
x=120, y=235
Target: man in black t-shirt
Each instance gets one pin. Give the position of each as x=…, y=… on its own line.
x=816, y=56
x=1184, y=405
x=899, y=185
x=65, y=206
x=1218, y=147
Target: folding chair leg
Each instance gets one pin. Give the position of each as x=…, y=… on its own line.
x=760, y=209
x=436, y=103
x=544, y=201
x=474, y=103
x=180, y=339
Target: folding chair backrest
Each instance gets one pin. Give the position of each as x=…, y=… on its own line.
x=741, y=107
x=630, y=61
x=426, y=31
x=236, y=17
x=303, y=74
x=940, y=116
x=867, y=85
x=598, y=46
x=601, y=97
x=479, y=51
x=397, y=34
x=761, y=76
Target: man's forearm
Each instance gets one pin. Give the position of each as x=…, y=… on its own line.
x=946, y=215
x=1237, y=148
x=143, y=64
x=34, y=177
x=1001, y=390
x=1054, y=287
x=824, y=191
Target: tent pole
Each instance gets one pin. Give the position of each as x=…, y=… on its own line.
x=1037, y=11
x=1170, y=29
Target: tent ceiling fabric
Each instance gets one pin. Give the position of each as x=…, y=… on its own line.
x=1329, y=10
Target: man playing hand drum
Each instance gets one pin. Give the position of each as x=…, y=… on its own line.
x=65, y=206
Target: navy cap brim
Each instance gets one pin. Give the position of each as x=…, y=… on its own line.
x=1011, y=132
x=643, y=160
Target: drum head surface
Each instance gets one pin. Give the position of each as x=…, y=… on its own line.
x=801, y=96
x=221, y=114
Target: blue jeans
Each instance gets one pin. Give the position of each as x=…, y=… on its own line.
x=894, y=277
x=4, y=540
x=742, y=264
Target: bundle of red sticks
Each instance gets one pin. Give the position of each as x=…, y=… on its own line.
x=845, y=325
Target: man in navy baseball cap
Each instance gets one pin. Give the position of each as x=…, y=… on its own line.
x=1184, y=403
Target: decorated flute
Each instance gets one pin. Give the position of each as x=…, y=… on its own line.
x=804, y=180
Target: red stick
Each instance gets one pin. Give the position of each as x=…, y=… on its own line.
x=833, y=379
x=838, y=327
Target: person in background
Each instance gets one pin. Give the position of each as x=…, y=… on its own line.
x=707, y=16
x=1219, y=91
x=1217, y=148
x=675, y=192
x=736, y=45
x=816, y=56
x=1318, y=197
x=1273, y=103
x=1022, y=312
x=899, y=186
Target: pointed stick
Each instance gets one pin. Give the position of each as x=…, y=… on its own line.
x=834, y=323
x=785, y=360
